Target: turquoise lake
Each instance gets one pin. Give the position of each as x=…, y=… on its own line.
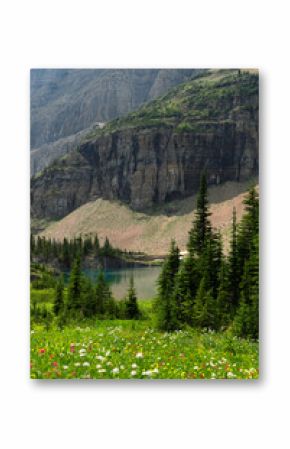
x=144, y=279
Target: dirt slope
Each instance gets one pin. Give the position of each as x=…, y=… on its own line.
x=150, y=233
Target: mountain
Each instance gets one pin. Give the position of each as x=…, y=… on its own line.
x=156, y=154
x=151, y=234
x=66, y=102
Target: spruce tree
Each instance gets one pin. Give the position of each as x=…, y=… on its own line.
x=201, y=225
x=234, y=269
x=248, y=229
x=104, y=304
x=210, y=261
x=87, y=298
x=66, y=253
x=107, y=249
x=99, y=293
x=166, y=313
x=186, y=283
x=204, y=309
x=96, y=245
x=132, y=310
x=224, y=307
x=74, y=303
x=246, y=322
x=58, y=306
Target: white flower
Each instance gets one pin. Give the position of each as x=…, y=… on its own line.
x=156, y=370
x=133, y=373
x=139, y=355
x=230, y=375
x=65, y=367
x=100, y=357
x=108, y=353
x=98, y=366
x=134, y=365
x=83, y=354
x=102, y=370
x=86, y=364
x=147, y=373
x=195, y=367
x=115, y=370
x=77, y=364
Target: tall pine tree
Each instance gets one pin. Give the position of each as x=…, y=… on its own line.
x=132, y=310
x=201, y=225
x=165, y=305
x=58, y=306
x=74, y=300
x=104, y=301
x=234, y=269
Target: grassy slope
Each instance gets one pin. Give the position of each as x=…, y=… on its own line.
x=149, y=233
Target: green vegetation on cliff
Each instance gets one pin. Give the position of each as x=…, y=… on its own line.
x=193, y=106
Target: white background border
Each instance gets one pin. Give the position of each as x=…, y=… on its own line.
x=144, y=34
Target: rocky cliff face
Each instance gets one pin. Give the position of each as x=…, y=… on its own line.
x=64, y=102
x=158, y=153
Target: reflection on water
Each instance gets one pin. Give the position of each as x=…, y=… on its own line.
x=144, y=279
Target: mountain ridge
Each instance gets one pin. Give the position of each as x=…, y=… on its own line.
x=157, y=153
x=65, y=102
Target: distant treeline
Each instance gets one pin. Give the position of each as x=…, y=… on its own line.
x=66, y=251
x=207, y=289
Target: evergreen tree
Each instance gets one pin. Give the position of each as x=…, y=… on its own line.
x=107, y=248
x=96, y=245
x=32, y=246
x=204, y=309
x=246, y=322
x=234, y=269
x=210, y=262
x=105, y=304
x=58, y=306
x=74, y=303
x=88, y=303
x=186, y=283
x=224, y=307
x=87, y=246
x=132, y=310
x=201, y=225
x=166, y=312
x=66, y=253
x=248, y=229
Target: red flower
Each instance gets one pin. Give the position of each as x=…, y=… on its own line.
x=72, y=348
x=41, y=351
x=54, y=364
